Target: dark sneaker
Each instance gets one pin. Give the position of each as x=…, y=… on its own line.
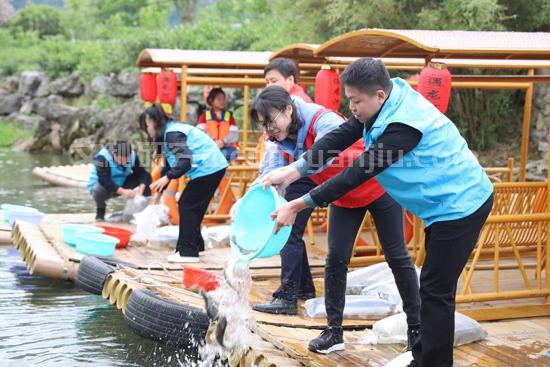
x=100, y=214
x=330, y=340
x=413, y=335
x=306, y=295
x=278, y=306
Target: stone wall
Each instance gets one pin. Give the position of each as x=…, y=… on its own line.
x=68, y=113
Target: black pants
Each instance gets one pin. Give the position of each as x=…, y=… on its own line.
x=448, y=247
x=192, y=206
x=101, y=195
x=295, y=273
x=343, y=226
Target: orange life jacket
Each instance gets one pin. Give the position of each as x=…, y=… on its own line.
x=359, y=197
x=218, y=130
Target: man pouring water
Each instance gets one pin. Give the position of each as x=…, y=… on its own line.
x=422, y=161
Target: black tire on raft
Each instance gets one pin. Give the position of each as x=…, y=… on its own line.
x=170, y=323
x=92, y=273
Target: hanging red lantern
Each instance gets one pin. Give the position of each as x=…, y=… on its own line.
x=435, y=85
x=167, y=86
x=328, y=91
x=148, y=87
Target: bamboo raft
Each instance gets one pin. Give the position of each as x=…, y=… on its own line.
x=277, y=340
x=67, y=176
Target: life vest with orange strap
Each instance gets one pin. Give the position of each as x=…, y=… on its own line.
x=218, y=129
x=362, y=195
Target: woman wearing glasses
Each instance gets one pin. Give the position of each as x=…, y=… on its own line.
x=294, y=126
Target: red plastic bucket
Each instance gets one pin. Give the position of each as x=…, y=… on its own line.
x=122, y=234
x=194, y=278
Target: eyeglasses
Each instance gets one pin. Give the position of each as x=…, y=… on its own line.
x=269, y=125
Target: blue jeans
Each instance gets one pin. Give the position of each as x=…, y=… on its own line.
x=230, y=153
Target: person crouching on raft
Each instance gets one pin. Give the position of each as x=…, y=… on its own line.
x=294, y=126
x=419, y=157
x=188, y=151
x=117, y=171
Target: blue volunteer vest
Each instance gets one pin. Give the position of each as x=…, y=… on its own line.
x=206, y=156
x=440, y=179
x=119, y=173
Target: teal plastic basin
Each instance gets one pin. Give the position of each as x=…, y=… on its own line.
x=95, y=243
x=7, y=207
x=25, y=215
x=252, y=230
x=69, y=231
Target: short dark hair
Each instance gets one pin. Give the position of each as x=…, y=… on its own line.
x=286, y=67
x=367, y=75
x=121, y=148
x=214, y=92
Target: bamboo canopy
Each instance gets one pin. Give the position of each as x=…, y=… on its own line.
x=429, y=44
x=151, y=57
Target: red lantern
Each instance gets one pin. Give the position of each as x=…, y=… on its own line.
x=167, y=85
x=328, y=91
x=148, y=87
x=435, y=85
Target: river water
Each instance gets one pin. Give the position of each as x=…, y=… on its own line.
x=53, y=323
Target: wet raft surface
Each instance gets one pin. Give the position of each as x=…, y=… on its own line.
x=279, y=340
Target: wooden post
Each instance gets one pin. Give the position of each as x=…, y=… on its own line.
x=547, y=249
x=525, y=130
x=245, y=117
x=183, y=92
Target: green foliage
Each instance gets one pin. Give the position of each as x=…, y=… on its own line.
x=42, y=19
x=103, y=36
x=10, y=133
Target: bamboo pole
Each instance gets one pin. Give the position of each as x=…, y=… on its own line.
x=525, y=130
x=246, y=113
x=183, y=92
x=547, y=249
x=482, y=85
x=226, y=81
x=496, y=296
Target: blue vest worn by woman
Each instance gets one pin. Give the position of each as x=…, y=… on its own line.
x=119, y=173
x=440, y=179
x=206, y=157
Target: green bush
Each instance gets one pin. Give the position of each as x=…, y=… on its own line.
x=42, y=19
x=10, y=133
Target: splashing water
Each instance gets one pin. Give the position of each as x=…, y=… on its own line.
x=228, y=336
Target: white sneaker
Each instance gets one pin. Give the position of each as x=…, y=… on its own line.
x=176, y=258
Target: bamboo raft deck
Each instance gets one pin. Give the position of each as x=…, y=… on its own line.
x=278, y=340
x=68, y=176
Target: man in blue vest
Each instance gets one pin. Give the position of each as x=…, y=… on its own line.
x=117, y=172
x=422, y=161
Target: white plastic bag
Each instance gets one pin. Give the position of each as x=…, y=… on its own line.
x=385, y=291
x=393, y=330
x=361, y=278
x=356, y=306
x=135, y=205
x=402, y=360
x=370, y=276
x=216, y=236
x=168, y=235
x=148, y=220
